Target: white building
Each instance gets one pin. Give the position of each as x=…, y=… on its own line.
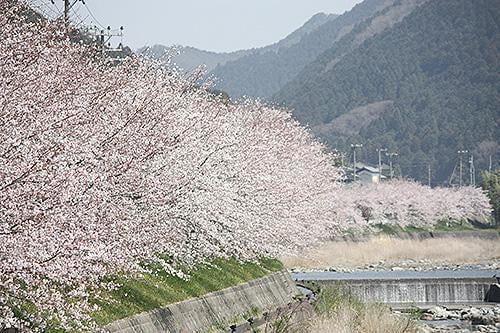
x=366, y=174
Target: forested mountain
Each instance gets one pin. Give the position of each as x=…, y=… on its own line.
x=426, y=87
x=189, y=58
x=312, y=24
x=262, y=74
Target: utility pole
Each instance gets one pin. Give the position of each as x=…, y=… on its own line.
x=103, y=38
x=429, y=175
x=380, y=150
x=460, y=155
x=68, y=4
x=472, y=171
x=67, y=7
x=354, y=147
x=450, y=183
x=391, y=155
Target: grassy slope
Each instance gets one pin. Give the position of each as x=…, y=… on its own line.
x=442, y=226
x=160, y=288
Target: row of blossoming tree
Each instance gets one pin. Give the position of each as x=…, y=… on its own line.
x=103, y=167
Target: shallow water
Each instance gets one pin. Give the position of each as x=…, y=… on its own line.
x=396, y=275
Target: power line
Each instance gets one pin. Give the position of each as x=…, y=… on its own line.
x=46, y=9
x=79, y=22
x=93, y=16
x=52, y=6
x=68, y=6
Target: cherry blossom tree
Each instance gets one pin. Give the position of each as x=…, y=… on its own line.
x=104, y=167
x=405, y=203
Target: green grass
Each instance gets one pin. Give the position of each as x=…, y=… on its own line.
x=446, y=225
x=415, y=312
x=159, y=288
x=388, y=229
x=412, y=228
x=442, y=226
x=332, y=298
x=355, y=232
x=338, y=310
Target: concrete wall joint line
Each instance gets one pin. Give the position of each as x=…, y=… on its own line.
x=266, y=294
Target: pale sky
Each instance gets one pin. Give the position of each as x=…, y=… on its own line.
x=214, y=25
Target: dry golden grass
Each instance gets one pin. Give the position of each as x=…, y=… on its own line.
x=337, y=311
x=372, y=319
x=392, y=250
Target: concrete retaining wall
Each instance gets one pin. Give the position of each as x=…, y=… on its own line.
x=221, y=307
x=418, y=292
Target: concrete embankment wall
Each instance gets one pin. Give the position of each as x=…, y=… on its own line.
x=218, y=308
x=419, y=291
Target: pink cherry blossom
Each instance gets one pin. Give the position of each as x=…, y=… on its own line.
x=103, y=167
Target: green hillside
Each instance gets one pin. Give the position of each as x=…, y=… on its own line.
x=262, y=74
x=189, y=58
x=425, y=88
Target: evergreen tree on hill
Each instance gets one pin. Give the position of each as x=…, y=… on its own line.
x=437, y=73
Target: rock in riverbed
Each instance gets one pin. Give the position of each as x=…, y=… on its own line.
x=471, y=319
